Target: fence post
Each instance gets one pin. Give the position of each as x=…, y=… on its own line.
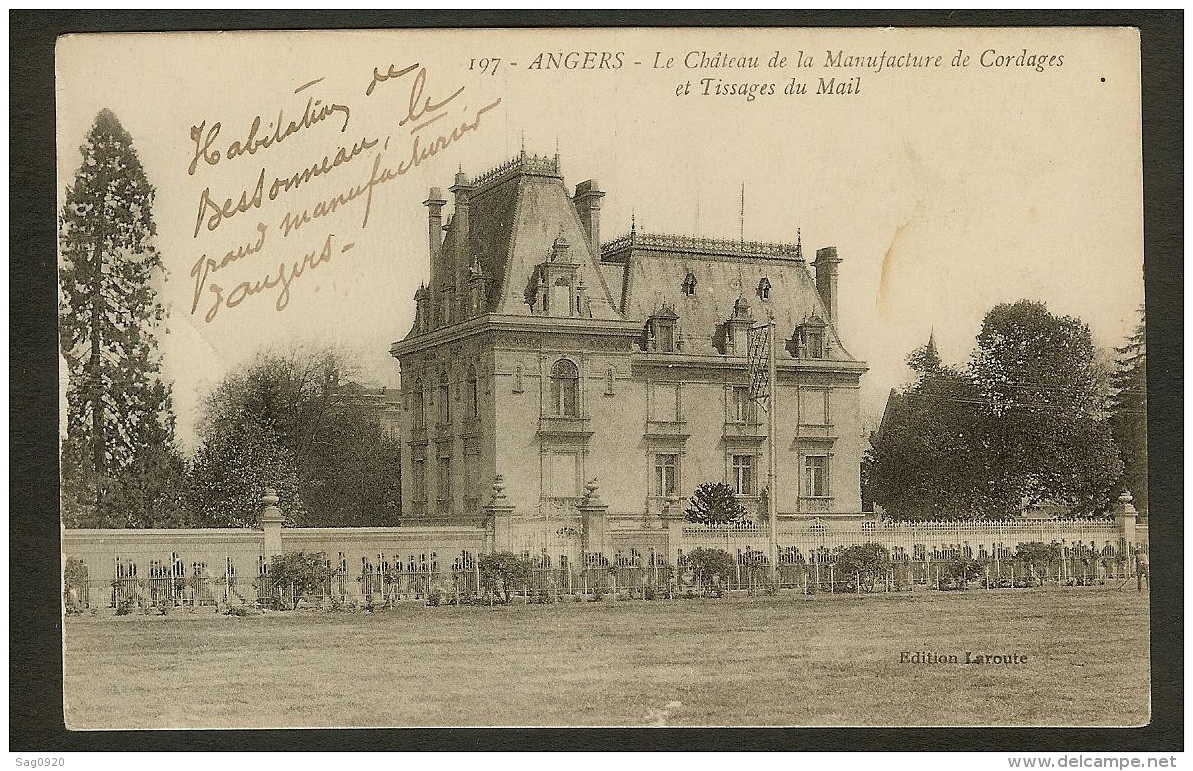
x=271, y=523
x=497, y=517
x=594, y=516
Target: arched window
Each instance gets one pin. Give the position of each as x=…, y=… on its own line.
x=764, y=289
x=473, y=394
x=565, y=388
x=444, y=399
x=689, y=284
x=419, y=405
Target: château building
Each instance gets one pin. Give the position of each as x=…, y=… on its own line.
x=544, y=355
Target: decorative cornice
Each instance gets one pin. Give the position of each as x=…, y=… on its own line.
x=522, y=164
x=723, y=248
x=493, y=322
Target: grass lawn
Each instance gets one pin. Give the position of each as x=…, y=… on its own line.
x=790, y=660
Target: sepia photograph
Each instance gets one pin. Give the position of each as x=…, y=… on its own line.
x=603, y=377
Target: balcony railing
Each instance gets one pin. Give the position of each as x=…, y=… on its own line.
x=667, y=428
x=750, y=432
x=565, y=425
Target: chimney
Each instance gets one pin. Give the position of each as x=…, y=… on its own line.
x=588, y=205
x=435, y=204
x=826, y=280
x=460, y=190
x=456, y=270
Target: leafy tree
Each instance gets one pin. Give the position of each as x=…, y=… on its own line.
x=1128, y=413
x=503, y=572
x=1023, y=423
x=865, y=562
x=711, y=567
x=291, y=421
x=932, y=458
x=231, y=471
x=119, y=465
x=714, y=503
x=1040, y=377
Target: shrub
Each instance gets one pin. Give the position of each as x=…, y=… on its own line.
x=709, y=566
x=306, y=572
x=866, y=563
x=243, y=610
x=74, y=577
x=503, y=572
x=1036, y=557
x=437, y=596
x=959, y=571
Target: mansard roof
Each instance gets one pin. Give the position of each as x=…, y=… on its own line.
x=517, y=212
x=654, y=267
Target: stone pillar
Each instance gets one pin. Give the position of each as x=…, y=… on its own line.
x=498, y=516
x=594, y=514
x=673, y=519
x=1125, y=515
x=271, y=522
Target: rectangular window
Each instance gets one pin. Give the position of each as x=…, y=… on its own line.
x=813, y=407
x=664, y=401
x=444, y=401
x=420, y=480
x=470, y=466
x=563, y=475
x=741, y=408
x=816, y=476
x=743, y=474
x=666, y=341
x=445, y=479
x=814, y=344
x=419, y=408
x=666, y=471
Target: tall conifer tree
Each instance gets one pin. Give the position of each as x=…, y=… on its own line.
x=1128, y=413
x=119, y=414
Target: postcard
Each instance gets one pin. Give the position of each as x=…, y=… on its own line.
x=603, y=377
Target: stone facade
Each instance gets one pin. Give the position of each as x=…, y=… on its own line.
x=546, y=356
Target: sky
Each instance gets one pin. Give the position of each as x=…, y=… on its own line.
x=946, y=189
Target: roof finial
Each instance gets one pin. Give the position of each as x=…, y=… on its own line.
x=799, y=245
x=633, y=222
x=522, y=153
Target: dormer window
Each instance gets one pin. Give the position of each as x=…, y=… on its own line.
x=662, y=334
x=556, y=288
x=764, y=289
x=689, y=284
x=810, y=339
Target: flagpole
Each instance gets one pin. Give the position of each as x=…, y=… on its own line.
x=771, y=497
